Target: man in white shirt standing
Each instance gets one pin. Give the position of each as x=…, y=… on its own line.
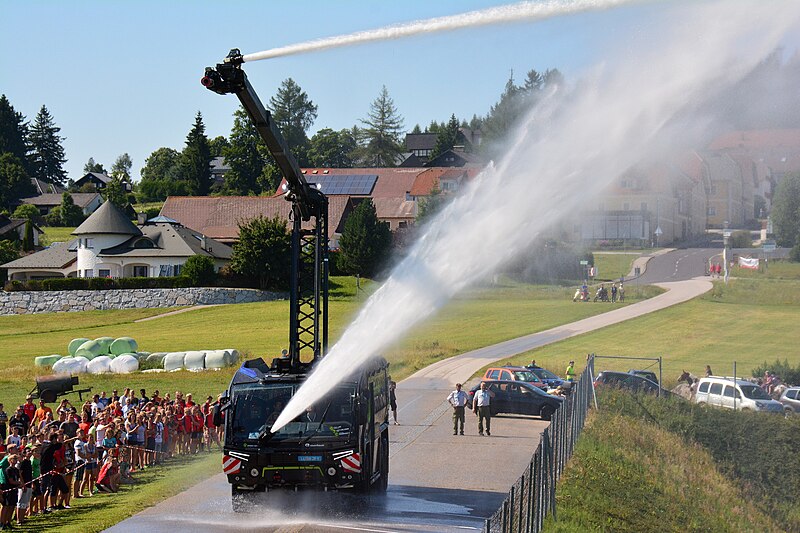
x=458, y=399
x=480, y=406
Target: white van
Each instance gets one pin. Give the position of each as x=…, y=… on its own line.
x=735, y=393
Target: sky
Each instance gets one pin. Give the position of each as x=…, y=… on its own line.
x=123, y=77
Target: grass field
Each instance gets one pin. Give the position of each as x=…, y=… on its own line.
x=53, y=234
x=749, y=321
x=613, y=265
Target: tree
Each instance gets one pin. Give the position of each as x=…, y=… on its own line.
x=330, y=148
x=245, y=154
x=14, y=180
x=14, y=134
x=70, y=214
x=91, y=166
x=48, y=154
x=294, y=113
x=9, y=251
x=380, y=138
x=448, y=136
x=786, y=211
x=195, y=163
x=430, y=205
x=31, y=212
x=417, y=130
x=217, y=145
x=365, y=241
x=121, y=169
x=115, y=193
x=27, y=241
x=200, y=270
x=263, y=252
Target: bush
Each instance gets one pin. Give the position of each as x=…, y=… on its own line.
x=73, y=284
x=53, y=218
x=199, y=269
x=794, y=254
x=741, y=239
x=31, y=212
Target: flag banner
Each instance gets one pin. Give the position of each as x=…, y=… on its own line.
x=748, y=262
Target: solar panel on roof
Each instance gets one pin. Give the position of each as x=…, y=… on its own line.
x=345, y=184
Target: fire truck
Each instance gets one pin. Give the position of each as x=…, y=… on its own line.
x=342, y=440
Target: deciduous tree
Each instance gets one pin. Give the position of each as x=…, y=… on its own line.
x=329, y=148
x=70, y=214
x=365, y=241
x=263, y=252
x=786, y=211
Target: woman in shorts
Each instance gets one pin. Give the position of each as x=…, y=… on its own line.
x=132, y=439
x=90, y=467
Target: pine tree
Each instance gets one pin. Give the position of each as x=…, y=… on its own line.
x=294, y=113
x=195, y=166
x=14, y=181
x=380, y=138
x=48, y=154
x=27, y=242
x=14, y=134
x=448, y=136
x=121, y=169
x=91, y=166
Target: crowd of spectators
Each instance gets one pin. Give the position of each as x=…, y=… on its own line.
x=48, y=458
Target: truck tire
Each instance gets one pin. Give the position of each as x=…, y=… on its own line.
x=384, y=482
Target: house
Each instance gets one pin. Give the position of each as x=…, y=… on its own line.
x=45, y=187
x=97, y=180
x=455, y=157
x=14, y=229
x=218, y=170
x=87, y=201
x=420, y=145
x=108, y=244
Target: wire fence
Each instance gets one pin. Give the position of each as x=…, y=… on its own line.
x=533, y=496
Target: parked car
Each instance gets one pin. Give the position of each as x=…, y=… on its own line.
x=736, y=394
x=648, y=374
x=514, y=373
x=791, y=400
x=550, y=379
x=518, y=397
x=625, y=380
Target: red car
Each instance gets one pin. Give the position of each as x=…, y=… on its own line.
x=515, y=373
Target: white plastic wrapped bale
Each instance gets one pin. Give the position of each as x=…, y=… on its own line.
x=174, y=360
x=105, y=343
x=71, y=365
x=195, y=360
x=124, y=345
x=46, y=360
x=217, y=358
x=74, y=344
x=90, y=350
x=124, y=364
x=99, y=365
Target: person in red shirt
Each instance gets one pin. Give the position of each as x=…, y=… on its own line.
x=41, y=412
x=210, y=430
x=198, y=422
x=29, y=408
x=85, y=424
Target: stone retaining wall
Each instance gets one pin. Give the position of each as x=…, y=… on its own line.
x=25, y=302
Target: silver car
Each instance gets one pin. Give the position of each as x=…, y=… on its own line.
x=791, y=400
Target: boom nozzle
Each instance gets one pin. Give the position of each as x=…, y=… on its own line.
x=226, y=77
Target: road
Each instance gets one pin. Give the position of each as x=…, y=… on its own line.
x=438, y=482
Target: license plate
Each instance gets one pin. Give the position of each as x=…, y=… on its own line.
x=309, y=458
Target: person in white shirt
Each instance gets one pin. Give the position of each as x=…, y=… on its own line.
x=480, y=406
x=458, y=399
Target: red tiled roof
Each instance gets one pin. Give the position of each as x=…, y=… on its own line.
x=392, y=182
x=218, y=217
x=394, y=208
x=757, y=139
x=428, y=180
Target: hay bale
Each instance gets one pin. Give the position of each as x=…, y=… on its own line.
x=142, y=355
x=71, y=365
x=233, y=356
x=124, y=364
x=90, y=350
x=105, y=343
x=124, y=345
x=156, y=358
x=217, y=358
x=74, y=344
x=195, y=360
x=174, y=360
x=99, y=365
x=46, y=360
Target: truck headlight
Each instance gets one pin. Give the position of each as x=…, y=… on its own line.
x=254, y=472
x=331, y=471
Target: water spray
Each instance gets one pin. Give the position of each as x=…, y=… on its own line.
x=522, y=12
x=568, y=149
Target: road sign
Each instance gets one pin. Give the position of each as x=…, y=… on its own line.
x=768, y=246
x=584, y=262
x=659, y=233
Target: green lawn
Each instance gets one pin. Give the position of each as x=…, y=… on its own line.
x=53, y=234
x=747, y=322
x=613, y=265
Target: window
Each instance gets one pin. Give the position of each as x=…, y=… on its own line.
x=88, y=243
x=104, y=273
x=144, y=243
x=716, y=388
x=176, y=270
x=712, y=211
x=505, y=375
x=402, y=224
x=140, y=271
x=703, y=387
x=729, y=391
x=494, y=374
x=88, y=273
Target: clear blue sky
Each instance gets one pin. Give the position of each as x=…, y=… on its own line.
x=124, y=76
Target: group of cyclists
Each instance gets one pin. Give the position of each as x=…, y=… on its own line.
x=616, y=293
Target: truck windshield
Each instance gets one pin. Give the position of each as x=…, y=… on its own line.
x=256, y=407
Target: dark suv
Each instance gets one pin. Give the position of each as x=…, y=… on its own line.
x=648, y=374
x=626, y=380
x=518, y=397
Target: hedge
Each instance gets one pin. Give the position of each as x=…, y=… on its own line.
x=74, y=284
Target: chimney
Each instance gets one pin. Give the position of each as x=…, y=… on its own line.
x=203, y=243
x=141, y=218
